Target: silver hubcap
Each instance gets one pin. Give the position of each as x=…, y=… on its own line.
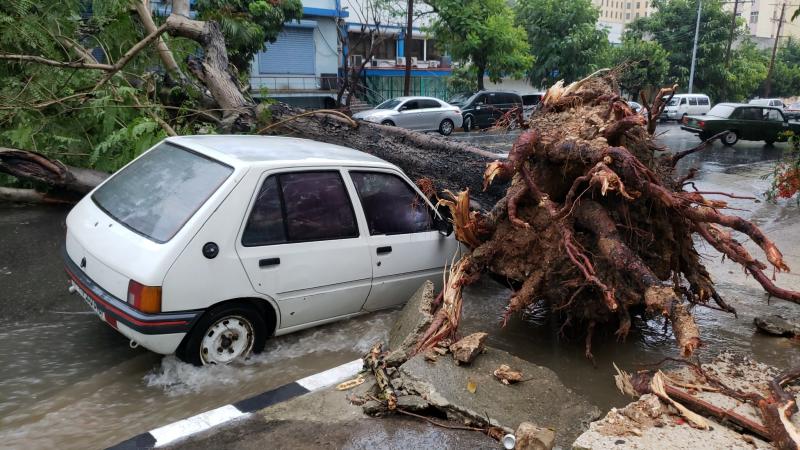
x=226, y=340
x=468, y=124
x=447, y=127
x=730, y=138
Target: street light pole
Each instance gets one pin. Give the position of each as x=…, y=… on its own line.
x=694, y=48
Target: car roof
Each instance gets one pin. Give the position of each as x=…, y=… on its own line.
x=249, y=150
x=417, y=97
x=688, y=95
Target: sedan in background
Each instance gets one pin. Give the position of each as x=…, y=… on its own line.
x=792, y=111
x=415, y=113
x=747, y=122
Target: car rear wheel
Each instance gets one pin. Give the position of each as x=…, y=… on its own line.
x=387, y=123
x=224, y=334
x=446, y=127
x=730, y=138
x=468, y=124
x=769, y=141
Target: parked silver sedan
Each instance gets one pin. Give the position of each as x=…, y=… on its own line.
x=415, y=113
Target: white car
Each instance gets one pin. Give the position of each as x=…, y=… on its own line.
x=684, y=105
x=207, y=245
x=415, y=113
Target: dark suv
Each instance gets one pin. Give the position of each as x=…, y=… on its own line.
x=482, y=109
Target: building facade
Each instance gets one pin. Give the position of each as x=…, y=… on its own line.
x=762, y=18
x=622, y=11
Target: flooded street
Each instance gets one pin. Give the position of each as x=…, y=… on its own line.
x=68, y=380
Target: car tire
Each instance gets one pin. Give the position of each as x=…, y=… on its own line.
x=446, y=127
x=223, y=334
x=388, y=123
x=468, y=124
x=769, y=141
x=730, y=138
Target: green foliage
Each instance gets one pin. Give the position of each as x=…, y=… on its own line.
x=41, y=107
x=785, y=176
x=786, y=73
x=462, y=80
x=644, y=65
x=563, y=38
x=482, y=32
x=248, y=24
x=673, y=27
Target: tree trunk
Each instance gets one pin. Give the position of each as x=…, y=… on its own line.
x=449, y=164
x=37, y=167
x=481, y=73
x=213, y=69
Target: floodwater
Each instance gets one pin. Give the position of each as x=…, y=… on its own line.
x=69, y=381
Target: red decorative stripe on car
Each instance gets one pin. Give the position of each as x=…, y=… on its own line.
x=118, y=311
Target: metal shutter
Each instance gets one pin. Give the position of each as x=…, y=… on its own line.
x=293, y=53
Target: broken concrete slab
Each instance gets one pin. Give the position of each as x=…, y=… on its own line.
x=324, y=420
x=543, y=400
x=468, y=348
x=414, y=319
x=643, y=424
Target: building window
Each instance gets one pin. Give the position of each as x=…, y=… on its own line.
x=753, y=16
x=638, y=5
x=359, y=45
x=628, y=5
x=627, y=16
x=637, y=15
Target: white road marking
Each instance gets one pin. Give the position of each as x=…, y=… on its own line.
x=201, y=422
x=331, y=376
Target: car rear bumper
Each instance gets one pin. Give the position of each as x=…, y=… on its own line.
x=161, y=333
x=691, y=129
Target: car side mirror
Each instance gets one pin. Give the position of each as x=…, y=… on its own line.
x=442, y=225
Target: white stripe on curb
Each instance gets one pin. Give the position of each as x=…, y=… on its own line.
x=331, y=376
x=195, y=424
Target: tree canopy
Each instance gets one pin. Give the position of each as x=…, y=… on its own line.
x=563, y=37
x=482, y=32
x=643, y=64
x=672, y=25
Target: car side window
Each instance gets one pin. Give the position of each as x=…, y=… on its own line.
x=773, y=115
x=702, y=101
x=410, y=105
x=429, y=104
x=693, y=101
x=265, y=225
x=390, y=204
x=299, y=207
x=683, y=101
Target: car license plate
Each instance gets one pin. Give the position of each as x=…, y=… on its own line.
x=92, y=304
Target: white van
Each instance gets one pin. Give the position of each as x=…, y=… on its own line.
x=207, y=245
x=683, y=105
x=776, y=102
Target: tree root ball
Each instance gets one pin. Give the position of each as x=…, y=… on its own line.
x=595, y=226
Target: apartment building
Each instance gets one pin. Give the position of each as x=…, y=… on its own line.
x=622, y=11
x=762, y=17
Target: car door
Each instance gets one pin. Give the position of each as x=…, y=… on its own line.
x=408, y=117
x=405, y=248
x=750, y=123
x=301, y=246
x=430, y=113
x=483, y=112
x=774, y=124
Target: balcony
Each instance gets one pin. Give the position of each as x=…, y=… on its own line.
x=295, y=85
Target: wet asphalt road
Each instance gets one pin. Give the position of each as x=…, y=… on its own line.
x=69, y=381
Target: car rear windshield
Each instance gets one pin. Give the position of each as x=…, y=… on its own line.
x=159, y=192
x=723, y=111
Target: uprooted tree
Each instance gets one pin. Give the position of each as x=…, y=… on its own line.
x=594, y=224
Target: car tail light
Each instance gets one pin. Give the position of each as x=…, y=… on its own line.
x=144, y=298
x=701, y=124
x=685, y=120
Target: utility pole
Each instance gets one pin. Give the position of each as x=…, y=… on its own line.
x=768, y=83
x=694, y=48
x=733, y=30
x=407, y=48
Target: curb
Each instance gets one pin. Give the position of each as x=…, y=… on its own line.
x=182, y=429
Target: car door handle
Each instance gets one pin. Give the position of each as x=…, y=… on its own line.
x=266, y=262
x=384, y=250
